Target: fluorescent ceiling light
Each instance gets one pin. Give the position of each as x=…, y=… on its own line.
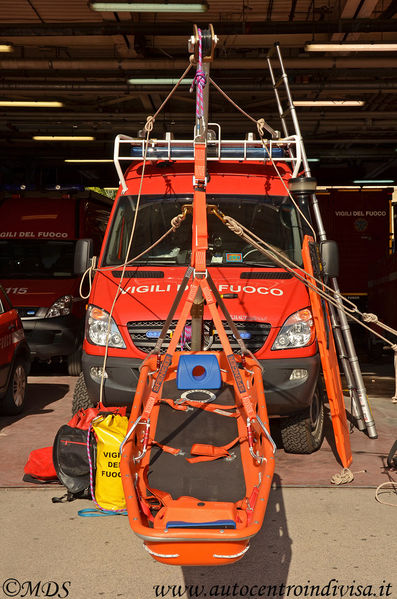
x=350, y=47
x=313, y=159
x=149, y=7
x=63, y=138
x=159, y=81
x=328, y=103
x=31, y=104
x=6, y=48
x=373, y=181
x=89, y=160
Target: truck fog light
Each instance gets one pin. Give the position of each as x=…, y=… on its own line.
x=96, y=373
x=298, y=374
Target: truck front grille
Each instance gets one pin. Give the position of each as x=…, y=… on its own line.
x=144, y=335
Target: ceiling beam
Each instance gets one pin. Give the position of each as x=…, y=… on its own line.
x=114, y=64
x=350, y=25
x=249, y=86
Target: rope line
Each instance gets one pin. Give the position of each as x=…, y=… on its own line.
x=261, y=127
x=258, y=122
x=118, y=291
x=199, y=80
x=324, y=290
x=151, y=119
x=288, y=191
x=391, y=486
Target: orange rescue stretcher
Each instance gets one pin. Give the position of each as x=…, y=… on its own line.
x=197, y=473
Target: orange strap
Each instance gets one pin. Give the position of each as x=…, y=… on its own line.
x=208, y=453
x=166, y=448
x=251, y=504
x=207, y=407
x=162, y=496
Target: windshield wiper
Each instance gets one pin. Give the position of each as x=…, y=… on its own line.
x=258, y=264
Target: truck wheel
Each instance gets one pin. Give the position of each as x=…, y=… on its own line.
x=74, y=362
x=14, y=399
x=81, y=399
x=304, y=432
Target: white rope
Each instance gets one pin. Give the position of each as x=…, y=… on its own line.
x=176, y=223
x=344, y=476
x=324, y=290
x=88, y=273
x=392, y=487
x=118, y=290
x=269, y=153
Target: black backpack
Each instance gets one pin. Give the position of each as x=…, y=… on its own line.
x=71, y=462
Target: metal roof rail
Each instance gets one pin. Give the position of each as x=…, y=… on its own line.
x=217, y=150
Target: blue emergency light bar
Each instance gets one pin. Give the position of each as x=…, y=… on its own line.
x=286, y=150
x=175, y=152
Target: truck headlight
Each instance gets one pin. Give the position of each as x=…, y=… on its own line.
x=297, y=331
x=98, y=327
x=62, y=307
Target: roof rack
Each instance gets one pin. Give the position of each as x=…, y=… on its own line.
x=217, y=149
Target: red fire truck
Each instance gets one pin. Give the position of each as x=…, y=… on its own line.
x=268, y=305
x=38, y=235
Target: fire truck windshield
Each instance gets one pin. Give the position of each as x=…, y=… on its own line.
x=272, y=218
x=36, y=259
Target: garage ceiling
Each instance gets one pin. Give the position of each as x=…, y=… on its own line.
x=66, y=51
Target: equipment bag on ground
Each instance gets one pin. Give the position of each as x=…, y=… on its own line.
x=71, y=461
x=109, y=432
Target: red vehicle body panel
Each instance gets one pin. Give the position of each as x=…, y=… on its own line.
x=56, y=216
x=359, y=221
x=259, y=299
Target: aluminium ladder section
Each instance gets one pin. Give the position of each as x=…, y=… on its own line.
x=340, y=325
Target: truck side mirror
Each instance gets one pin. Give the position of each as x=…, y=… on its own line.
x=82, y=256
x=330, y=258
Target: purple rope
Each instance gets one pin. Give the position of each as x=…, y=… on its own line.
x=122, y=511
x=199, y=80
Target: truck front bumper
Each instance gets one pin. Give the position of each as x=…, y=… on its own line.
x=52, y=337
x=289, y=383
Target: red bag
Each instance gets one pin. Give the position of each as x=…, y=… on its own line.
x=83, y=418
x=40, y=466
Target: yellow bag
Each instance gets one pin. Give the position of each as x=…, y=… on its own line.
x=109, y=431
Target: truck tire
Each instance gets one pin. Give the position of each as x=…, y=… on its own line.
x=74, y=362
x=14, y=400
x=304, y=432
x=81, y=399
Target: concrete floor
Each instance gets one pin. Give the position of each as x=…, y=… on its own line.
x=310, y=537
x=314, y=535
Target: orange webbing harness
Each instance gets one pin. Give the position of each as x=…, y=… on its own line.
x=202, y=405
x=208, y=453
